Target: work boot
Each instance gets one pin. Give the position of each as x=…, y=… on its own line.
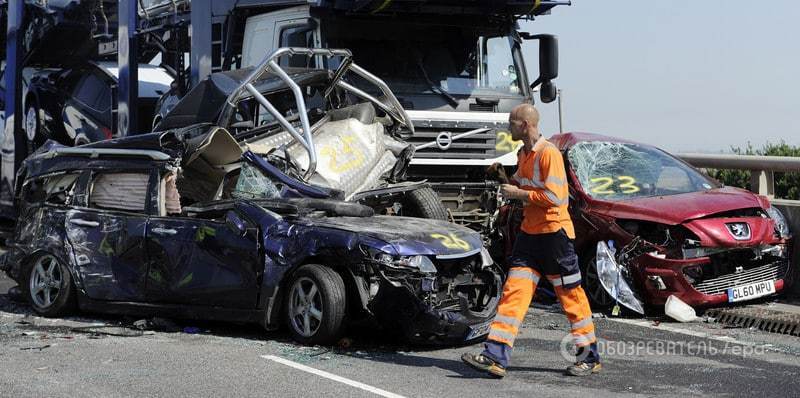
x=484, y=364
x=584, y=368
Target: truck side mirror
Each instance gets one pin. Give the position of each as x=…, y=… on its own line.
x=548, y=92
x=548, y=64
x=548, y=57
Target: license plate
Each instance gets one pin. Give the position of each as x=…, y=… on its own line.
x=478, y=330
x=751, y=291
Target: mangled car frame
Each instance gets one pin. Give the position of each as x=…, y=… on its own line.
x=190, y=224
x=313, y=121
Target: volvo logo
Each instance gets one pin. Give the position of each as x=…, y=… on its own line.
x=444, y=140
x=739, y=230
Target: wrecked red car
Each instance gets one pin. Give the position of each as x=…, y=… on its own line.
x=649, y=226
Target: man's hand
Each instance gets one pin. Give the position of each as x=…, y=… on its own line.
x=496, y=172
x=513, y=192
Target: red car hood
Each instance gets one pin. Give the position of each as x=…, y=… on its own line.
x=675, y=209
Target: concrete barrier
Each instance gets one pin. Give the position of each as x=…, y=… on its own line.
x=791, y=210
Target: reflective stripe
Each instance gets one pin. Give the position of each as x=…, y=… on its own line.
x=554, y=198
x=555, y=180
x=531, y=183
x=502, y=335
x=518, y=273
x=584, y=339
x=565, y=280
x=510, y=321
x=582, y=323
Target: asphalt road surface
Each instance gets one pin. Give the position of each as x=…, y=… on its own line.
x=103, y=356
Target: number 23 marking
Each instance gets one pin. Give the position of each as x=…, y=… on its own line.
x=627, y=185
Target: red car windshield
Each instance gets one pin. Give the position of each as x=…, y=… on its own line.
x=617, y=171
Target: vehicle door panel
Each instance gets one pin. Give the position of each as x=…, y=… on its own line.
x=108, y=249
x=201, y=262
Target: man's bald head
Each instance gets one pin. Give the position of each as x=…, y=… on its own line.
x=526, y=112
x=524, y=123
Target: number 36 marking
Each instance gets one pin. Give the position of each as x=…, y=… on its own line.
x=626, y=185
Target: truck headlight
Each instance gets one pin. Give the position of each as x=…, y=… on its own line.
x=780, y=222
x=486, y=258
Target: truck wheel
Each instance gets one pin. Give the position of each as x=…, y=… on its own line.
x=424, y=203
x=315, y=305
x=49, y=288
x=599, y=299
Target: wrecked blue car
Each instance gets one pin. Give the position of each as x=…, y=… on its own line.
x=189, y=225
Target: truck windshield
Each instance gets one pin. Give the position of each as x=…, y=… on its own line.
x=412, y=59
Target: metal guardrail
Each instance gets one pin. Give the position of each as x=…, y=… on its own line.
x=762, y=168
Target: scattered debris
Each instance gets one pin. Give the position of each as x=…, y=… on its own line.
x=552, y=326
x=678, y=310
x=157, y=324
x=37, y=348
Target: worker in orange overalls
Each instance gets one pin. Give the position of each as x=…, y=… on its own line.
x=544, y=248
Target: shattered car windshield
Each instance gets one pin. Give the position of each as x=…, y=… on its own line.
x=619, y=171
x=456, y=60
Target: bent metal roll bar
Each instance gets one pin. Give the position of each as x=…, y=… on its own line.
x=394, y=109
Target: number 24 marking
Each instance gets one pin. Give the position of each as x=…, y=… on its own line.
x=627, y=185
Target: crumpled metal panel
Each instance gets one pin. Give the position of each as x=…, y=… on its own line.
x=347, y=152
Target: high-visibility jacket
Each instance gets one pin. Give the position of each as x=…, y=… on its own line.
x=541, y=172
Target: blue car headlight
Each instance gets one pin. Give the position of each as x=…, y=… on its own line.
x=421, y=264
x=781, y=225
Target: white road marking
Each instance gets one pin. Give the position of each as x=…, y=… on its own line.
x=332, y=376
x=726, y=339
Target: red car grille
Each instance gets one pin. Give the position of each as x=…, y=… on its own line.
x=718, y=285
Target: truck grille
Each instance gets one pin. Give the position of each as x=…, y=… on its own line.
x=774, y=271
x=478, y=146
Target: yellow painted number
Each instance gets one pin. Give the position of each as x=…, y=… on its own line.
x=602, y=185
x=345, y=158
x=451, y=241
x=626, y=185
x=505, y=143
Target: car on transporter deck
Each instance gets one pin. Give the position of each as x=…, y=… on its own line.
x=103, y=227
x=674, y=230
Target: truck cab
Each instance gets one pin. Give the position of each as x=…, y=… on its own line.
x=458, y=78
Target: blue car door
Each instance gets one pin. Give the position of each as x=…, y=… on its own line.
x=196, y=258
x=106, y=230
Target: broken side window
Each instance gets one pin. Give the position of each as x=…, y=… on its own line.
x=119, y=191
x=251, y=184
x=53, y=189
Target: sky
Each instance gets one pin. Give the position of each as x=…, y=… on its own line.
x=687, y=76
